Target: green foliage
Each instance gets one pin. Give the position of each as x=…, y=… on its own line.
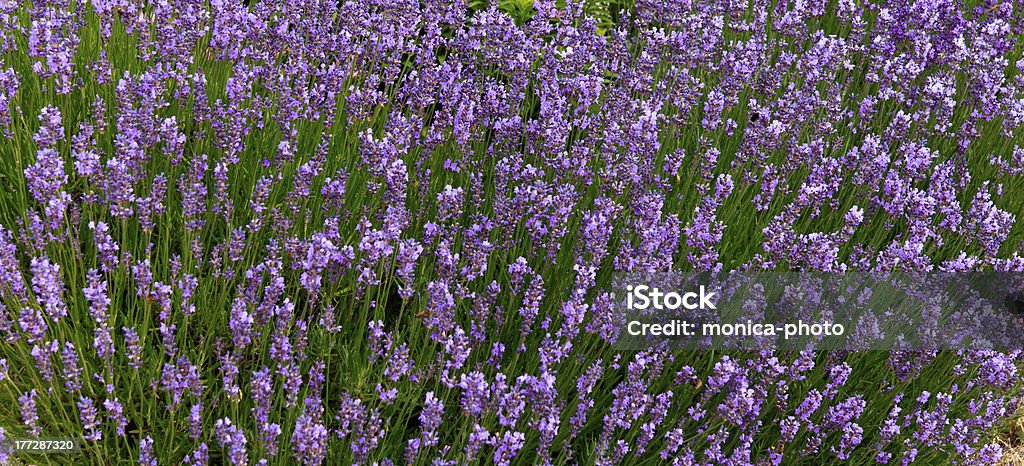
x=346, y=351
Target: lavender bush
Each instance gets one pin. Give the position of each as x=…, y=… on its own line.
x=379, y=232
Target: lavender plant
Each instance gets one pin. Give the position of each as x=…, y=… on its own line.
x=380, y=232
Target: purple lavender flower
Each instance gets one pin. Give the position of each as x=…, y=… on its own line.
x=46, y=177
x=232, y=440
x=223, y=205
x=839, y=415
x=180, y=379
x=477, y=439
x=115, y=413
x=430, y=419
x=508, y=446
x=96, y=294
x=117, y=187
x=474, y=393
x=292, y=382
x=309, y=441
x=990, y=454
x=9, y=86
x=153, y=205
x=33, y=324
x=12, y=284
x=195, y=421
x=42, y=355
x=72, y=371
x=194, y=194
x=108, y=249
x=241, y=324
x=199, y=457
x=28, y=412
x=852, y=436
x=133, y=350
x=262, y=393
x=5, y=451
x=90, y=420
x=408, y=252
x=147, y=457
x=83, y=150
x=49, y=287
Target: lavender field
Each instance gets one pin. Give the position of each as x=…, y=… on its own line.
x=382, y=231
